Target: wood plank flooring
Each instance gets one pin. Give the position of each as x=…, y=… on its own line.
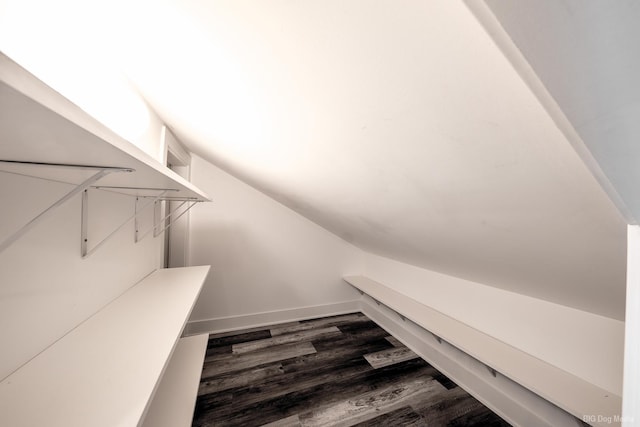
x=333, y=371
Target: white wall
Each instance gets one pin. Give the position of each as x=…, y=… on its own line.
x=631, y=397
x=401, y=127
x=45, y=287
x=179, y=160
x=582, y=343
x=264, y=256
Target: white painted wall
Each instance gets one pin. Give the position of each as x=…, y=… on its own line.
x=45, y=287
x=582, y=343
x=177, y=159
x=264, y=256
x=399, y=126
x=631, y=397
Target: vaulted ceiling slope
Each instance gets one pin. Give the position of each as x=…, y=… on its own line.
x=400, y=127
x=587, y=54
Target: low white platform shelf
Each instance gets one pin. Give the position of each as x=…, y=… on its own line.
x=106, y=370
x=567, y=391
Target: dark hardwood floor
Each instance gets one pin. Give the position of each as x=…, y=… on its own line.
x=333, y=371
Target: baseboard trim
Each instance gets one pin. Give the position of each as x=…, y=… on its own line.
x=233, y=323
x=516, y=404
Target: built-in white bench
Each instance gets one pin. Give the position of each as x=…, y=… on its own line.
x=565, y=390
x=105, y=371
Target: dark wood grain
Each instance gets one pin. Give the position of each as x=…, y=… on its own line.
x=389, y=356
x=227, y=340
x=226, y=363
x=405, y=416
x=314, y=373
x=323, y=322
x=296, y=336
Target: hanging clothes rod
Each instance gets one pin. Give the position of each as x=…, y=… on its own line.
x=84, y=241
x=110, y=188
x=67, y=165
x=115, y=187
x=175, y=199
x=173, y=220
x=156, y=226
x=101, y=173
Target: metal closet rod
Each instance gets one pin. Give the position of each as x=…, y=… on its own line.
x=109, y=188
x=101, y=172
x=155, y=197
x=173, y=220
x=102, y=187
x=157, y=229
x=68, y=165
x=97, y=187
x=175, y=199
x=115, y=187
x=84, y=242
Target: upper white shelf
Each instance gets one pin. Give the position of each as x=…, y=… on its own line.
x=105, y=371
x=38, y=124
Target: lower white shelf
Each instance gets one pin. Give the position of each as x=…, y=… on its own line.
x=569, y=392
x=175, y=398
x=106, y=370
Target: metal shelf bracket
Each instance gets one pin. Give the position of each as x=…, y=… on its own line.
x=492, y=371
x=84, y=241
x=158, y=228
x=101, y=172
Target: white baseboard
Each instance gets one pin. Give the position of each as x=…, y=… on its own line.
x=232, y=323
x=516, y=404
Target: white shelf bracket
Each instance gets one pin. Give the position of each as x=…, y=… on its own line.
x=157, y=222
x=437, y=338
x=101, y=173
x=84, y=241
x=492, y=371
x=166, y=227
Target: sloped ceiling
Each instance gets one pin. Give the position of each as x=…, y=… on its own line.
x=399, y=126
x=587, y=54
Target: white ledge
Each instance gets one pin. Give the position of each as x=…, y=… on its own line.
x=569, y=392
x=106, y=370
x=38, y=124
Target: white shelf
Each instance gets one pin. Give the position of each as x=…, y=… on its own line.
x=567, y=391
x=38, y=124
x=175, y=399
x=106, y=370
